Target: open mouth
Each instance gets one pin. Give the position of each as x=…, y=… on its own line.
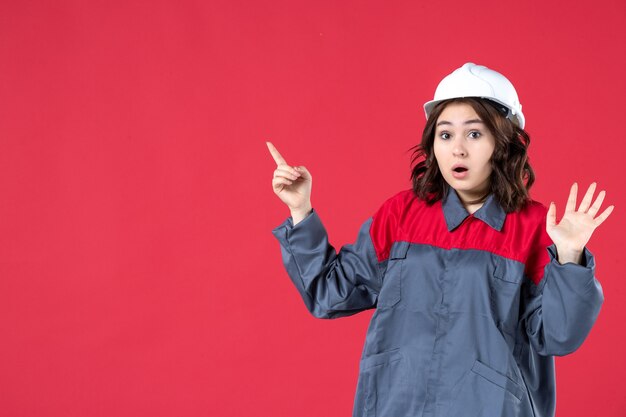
x=460, y=169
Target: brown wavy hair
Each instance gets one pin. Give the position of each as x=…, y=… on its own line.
x=511, y=176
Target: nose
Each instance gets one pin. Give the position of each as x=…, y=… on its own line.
x=458, y=149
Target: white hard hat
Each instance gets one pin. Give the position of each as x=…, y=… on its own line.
x=473, y=80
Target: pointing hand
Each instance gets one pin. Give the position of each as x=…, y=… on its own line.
x=291, y=184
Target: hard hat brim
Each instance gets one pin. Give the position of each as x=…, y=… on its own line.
x=515, y=117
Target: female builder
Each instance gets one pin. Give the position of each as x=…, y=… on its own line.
x=476, y=288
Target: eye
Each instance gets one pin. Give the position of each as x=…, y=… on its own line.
x=475, y=134
x=444, y=135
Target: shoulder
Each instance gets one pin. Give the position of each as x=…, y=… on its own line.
x=538, y=257
x=535, y=209
x=537, y=213
x=387, y=218
x=385, y=223
x=532, y=216
x=396, y=203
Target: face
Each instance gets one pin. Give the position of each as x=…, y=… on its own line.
x=462, y=138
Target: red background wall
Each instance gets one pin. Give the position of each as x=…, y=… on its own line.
x=138, y=272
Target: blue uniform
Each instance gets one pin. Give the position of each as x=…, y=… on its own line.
x=470, y=309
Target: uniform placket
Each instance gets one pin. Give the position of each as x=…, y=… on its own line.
x=433, y=385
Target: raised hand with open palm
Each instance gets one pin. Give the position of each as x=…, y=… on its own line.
x=574, y=230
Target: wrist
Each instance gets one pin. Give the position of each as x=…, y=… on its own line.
x=300, y=214
x=570, y=255
x=302, y=210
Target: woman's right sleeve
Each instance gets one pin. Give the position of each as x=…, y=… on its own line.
x=331, y=284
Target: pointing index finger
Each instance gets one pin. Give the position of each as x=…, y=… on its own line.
x=276, y=155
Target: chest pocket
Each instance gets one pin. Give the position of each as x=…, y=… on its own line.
x=505, y=294
x=391, y=291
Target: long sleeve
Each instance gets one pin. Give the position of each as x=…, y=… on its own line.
x=562, y=306
x=331, y=284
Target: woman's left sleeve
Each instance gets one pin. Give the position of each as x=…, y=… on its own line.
x=563, y=302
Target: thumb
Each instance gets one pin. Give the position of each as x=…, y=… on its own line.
x=302, y=170
x=551, y=216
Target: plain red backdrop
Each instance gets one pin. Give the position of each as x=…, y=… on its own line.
x=138, y=272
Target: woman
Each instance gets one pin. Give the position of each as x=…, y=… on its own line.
x=475, y=286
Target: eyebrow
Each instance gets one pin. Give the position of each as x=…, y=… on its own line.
x=467, y=122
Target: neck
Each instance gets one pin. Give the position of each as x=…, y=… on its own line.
x=472, y=199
